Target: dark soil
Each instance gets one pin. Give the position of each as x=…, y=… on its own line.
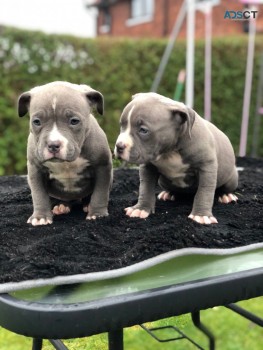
x=72, y=245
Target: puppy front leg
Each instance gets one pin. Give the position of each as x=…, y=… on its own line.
x=146, y=201
x=204, y=197
x=98, y=206
x=42, y=214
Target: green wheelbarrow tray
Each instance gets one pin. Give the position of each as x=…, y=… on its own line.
x=178, y=282
x=176, y=267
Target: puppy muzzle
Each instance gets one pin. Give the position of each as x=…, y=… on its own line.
x=54, y=147
x=120, y=149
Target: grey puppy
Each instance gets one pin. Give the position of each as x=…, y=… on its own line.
x=174, y=145
x=68, y=155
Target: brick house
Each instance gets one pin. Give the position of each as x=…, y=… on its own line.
x=156, y=18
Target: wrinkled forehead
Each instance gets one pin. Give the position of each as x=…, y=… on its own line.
x=57, y=98
x=150, y=105
x=156, y=99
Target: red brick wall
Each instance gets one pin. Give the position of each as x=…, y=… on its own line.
x=120, y=13
x=163, y=21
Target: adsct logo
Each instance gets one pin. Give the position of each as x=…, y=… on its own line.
x=240, y=15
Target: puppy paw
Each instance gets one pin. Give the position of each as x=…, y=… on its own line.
x=166, y=196
x=227, y=198
x=61, y=209
x=86, y=208
x=93, y=217
x=204, y=220
x=94, y=214
x=40, y=220
x=136, y=213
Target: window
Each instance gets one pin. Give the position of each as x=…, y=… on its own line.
x=203, y=4
x=141, y=8
x=141, y=11
x=106, y=21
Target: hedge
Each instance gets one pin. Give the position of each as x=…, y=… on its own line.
x=118, y=68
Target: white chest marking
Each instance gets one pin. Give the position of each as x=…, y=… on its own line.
x=67, y=173
x=172, y=167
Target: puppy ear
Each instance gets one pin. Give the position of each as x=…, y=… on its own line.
x=96, y=99
x=185, y=117
x=23, y=103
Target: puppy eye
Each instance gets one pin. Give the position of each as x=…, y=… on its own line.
x=36, y=122
x=74, y=121
x=143, y=130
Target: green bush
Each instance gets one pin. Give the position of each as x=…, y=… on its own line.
x=118, y=68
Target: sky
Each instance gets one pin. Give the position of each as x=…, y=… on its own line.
x=50, y=16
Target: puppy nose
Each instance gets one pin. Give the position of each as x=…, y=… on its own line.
x=120, y=147
x=54, y=146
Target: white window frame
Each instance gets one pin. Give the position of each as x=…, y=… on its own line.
x=144, y=18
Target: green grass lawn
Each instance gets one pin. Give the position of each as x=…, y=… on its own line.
x=232, y=332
